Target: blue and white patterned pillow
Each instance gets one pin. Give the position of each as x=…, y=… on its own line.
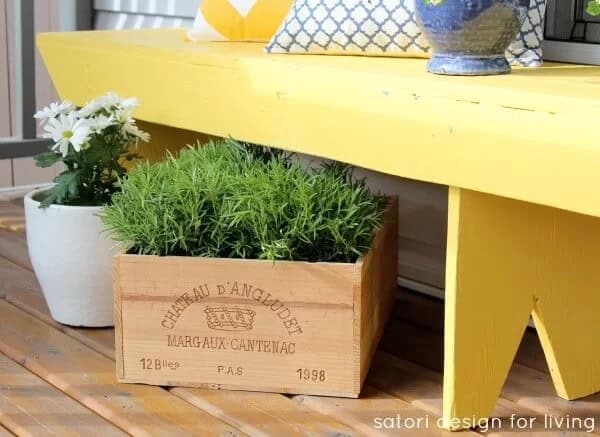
x=368, y=27
x=381, y=28
x=526, y=50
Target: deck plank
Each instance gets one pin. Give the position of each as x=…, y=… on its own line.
x=374, y=405
x=13, y=246
x=11, y=213
x=31, y=406
x=89, y=377
x=15, y=277
x=260, y=414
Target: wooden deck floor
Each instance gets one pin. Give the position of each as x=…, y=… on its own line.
x=57, y=380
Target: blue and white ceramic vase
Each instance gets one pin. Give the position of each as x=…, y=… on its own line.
x=469, y=37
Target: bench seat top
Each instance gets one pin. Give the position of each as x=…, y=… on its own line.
x=533, y=135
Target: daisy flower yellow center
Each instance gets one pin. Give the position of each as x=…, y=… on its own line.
x=67, y=134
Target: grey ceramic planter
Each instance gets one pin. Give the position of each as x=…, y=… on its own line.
x=469, y=37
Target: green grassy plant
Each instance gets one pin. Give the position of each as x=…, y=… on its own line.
x=231, y=200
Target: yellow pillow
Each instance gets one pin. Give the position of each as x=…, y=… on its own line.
x=238, y=20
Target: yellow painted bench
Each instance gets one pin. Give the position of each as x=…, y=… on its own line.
x=521, y=154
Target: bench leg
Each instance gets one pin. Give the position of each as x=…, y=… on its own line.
x=506, y=260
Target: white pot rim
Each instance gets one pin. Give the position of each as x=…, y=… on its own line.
x=30, y=199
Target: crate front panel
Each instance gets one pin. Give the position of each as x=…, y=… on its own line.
x=282, y=326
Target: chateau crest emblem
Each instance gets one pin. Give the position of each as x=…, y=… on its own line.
x=224, y=318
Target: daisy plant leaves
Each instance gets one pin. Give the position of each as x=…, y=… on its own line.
x=67, y=185
x=47, y=159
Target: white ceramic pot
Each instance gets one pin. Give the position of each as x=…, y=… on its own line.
x=72, y=259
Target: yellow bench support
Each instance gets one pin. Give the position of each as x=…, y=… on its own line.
x=520, y=151
x=508, y=259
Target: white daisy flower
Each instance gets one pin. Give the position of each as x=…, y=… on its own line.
x=124, y=116
x=67, y=130
x=101, y=122
x=90, y=108
x=108, y=102
x=130, y=103
x=103, y=102
x=129, y=127
x=133, y=130
x=54, y=110
x=112, y=100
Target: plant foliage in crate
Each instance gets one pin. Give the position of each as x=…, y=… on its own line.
x=231, y=200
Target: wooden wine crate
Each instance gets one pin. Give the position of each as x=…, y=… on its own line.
x=287, y=327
